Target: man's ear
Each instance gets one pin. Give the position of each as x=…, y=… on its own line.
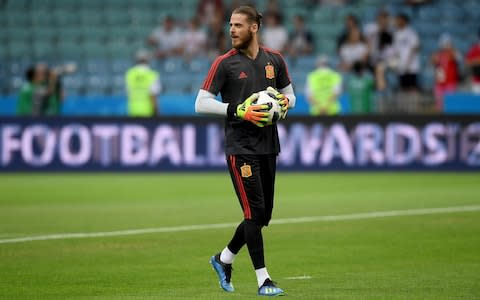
x=254, y=27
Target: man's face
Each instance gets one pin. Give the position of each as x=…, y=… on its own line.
x=241, y=31
x=168, y=25
x=40, y=73
x=400, y=22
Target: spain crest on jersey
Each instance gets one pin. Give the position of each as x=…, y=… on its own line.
x=246, y=170
x=269, y=71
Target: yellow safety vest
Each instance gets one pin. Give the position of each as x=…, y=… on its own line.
x=321, y=83
x=139, y=80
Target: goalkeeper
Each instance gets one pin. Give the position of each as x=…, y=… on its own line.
x=251, y=147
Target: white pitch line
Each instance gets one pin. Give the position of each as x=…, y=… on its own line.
x=358, y=216
x=303, y=277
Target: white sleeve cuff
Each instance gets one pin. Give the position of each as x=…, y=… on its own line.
x=288, y=92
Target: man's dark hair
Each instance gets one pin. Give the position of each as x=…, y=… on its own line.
x=252, y=14
x=358, y=67
x=30, y=73
x=404, y=17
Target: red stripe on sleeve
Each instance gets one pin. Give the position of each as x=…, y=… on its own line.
x=213, y=70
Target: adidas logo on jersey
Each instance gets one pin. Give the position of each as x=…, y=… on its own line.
x=242, y=75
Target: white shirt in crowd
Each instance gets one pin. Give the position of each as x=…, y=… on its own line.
x=405, y=40
x=350, y=53
x=194, y=42
x=275, y=38
x=168, y=40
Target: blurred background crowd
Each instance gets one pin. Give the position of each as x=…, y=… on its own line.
x=72, y=57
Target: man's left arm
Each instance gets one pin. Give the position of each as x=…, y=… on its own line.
x=285, y=93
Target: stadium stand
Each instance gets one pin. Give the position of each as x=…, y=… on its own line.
x=102, y=36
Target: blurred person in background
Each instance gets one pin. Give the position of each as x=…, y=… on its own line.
x=208, y=10
x=217, y=39
x=351, y=23
x=334, y=2
x=379, y=39
x=353, y=50
x=360, y=86
x=274, y=34
x=274, y=7
x=406, y=45
x=472, y=60
x=41, y=93
x=143, y=87
x=166, y=39
x=301, y=39
x=194, y=40
x=323, y=88
x=381, y=61
x=445, y=61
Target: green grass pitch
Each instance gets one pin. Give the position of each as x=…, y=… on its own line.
x=433, y=256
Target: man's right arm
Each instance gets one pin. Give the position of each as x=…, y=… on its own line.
x=207, y=104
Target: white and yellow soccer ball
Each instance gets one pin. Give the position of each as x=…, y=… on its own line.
x=274, y=110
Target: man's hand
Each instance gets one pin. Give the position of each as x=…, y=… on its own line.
x=282, y=100
x=252, y=113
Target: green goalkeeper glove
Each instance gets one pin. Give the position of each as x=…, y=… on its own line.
x=282, y=100
x=252, y=113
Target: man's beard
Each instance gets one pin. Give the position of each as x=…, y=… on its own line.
x=244, y=45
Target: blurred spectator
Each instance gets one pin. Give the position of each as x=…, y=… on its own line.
x=274, y=7
x=143, y=87
x=379, y=39
x=406, y=46
x=167, y=39
x=472, y=60
x=360, y=87
x=195, y=40
x=323, y=88
x=40, y=94
x=416, y=3
x=334, y=2
x=353, y=50
x=445, y=61
x=301, y=39
x=208, y=10
x=217, y=39
x=274, y=34
x=351, y=22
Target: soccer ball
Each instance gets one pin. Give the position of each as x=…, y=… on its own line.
x=274, y=110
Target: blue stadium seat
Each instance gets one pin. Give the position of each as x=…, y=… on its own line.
x=119, y=66
x=74, y=84
x=173, y=65
x=427, y=79
x=305, y=63
x=117, y=86
x=429, y=13
x=64, y=18
x=199, y=65
x=175, y=83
